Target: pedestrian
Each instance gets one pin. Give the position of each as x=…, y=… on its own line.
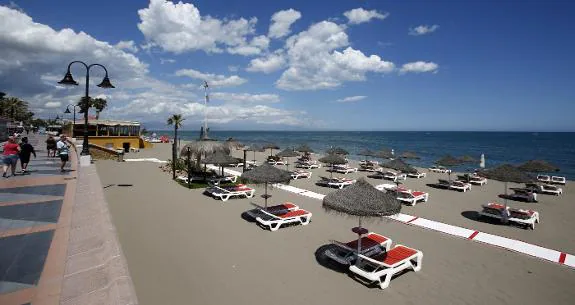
x=63, y=148
x=26, y=149
x=51, y=146
x=10, y=156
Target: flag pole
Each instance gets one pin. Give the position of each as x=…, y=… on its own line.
x=206, y=107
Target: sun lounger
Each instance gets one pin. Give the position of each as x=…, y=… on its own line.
x=411, y=197
x=386, y=187
x=274, y=209
x=336, y=182
x=300, y=174
x=544, y=178
x=460, y=186
x=527, y=218
x=308, y=164
x=368, y=162
x=478, y=180
x=225, y=193
x=346, y=253
x=382, y=267
x=439, y=169
x=558, y=180
x=280, y=162
x=522, y=194
x=393, y=176
x=275, y=221
x=551, y=189
x=417, y=175
x=344, y=169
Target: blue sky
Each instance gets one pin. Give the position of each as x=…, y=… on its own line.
x=347, y=65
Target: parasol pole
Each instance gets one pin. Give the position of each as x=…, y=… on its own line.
x=359, y=238
x=206, y=106
x=266, y=195
x=189, y=169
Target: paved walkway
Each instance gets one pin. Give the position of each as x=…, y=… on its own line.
x=57, y=243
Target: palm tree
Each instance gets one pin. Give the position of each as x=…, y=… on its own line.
x=99, y=104
x=176, y=120
x=14, y=108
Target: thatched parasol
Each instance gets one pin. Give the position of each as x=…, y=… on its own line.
x=449, y=160
x=409, y=155
x=337, y=151
x=266, y=173
x=221, y=160
x=507, y=173
x=271, y=147
x=399, y=165
x=538, y=166
x=304, y=149
x=287, y=153
x=332, y=160
x=384, y=154
x=467, y=159
x=363, y=200
x=367, y=153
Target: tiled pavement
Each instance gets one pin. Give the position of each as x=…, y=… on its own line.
x=57, y=246
x=35, y=210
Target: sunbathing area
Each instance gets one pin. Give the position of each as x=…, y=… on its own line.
x=289, y=237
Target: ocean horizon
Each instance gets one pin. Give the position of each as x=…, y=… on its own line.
x=510, y=147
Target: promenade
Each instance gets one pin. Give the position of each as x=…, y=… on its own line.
x=57, y=243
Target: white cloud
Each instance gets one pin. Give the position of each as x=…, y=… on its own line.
x=233, y=68
x=51, y=105
x=281, y=22
x=213, y=79
x=315, y=62
x=423, y=29
x=34, y=57
x=179, y=27
x=351, y=99
x=360, y=15
x=270, y=63
x=127, y=46
x=167, y=61
x=245, y=97
x=419, y=67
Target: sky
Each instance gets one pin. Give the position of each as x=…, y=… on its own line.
x=300, y=65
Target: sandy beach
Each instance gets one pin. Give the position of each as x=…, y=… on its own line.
x=185, y=247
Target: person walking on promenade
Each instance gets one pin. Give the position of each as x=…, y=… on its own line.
x=51, y=146
x=10, y=156
x=26, y=149
x=63, y=149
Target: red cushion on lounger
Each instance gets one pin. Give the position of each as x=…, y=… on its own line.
x=418, y=193
x=395, y=255
x=495, y=205
x=294, y=213
x=368, y=241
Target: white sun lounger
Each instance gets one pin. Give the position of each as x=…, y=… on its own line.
x=477, y=180
x=412, y=198
x=523, y=217
x=460, y=186
x=344, y=169
x=346, y=253
x=300, y=174
x=336, y=182
x=551, y=189
x=417, y=175
x=544, y=178
x=382, y=267
x=393, y=176
x=225, y=194
x=280, y=162
x=558, y=180
x=275, y=221
x=439, y=169
x=308, y=164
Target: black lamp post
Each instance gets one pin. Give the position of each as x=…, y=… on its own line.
x=69, y=80
x=74, y=117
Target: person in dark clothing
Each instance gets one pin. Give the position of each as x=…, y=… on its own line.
x=26, y=149
x=51, y=146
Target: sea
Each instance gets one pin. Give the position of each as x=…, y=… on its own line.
x=558, y=148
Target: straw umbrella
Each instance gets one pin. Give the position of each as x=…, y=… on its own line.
x=267, y=174
x=409, y=155
x=399, y=165
x=221, y=160
x=287, y=153
x=332, y=160
x=362, y=200
x=538, y=166
x=384, y=154
x=448, y=161
x=337, y=151
x=304, y=148
x=507, y=173
x=271, y=147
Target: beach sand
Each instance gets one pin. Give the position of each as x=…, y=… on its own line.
x=184, y=247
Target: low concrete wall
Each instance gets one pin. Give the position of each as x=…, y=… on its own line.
x=96, y=269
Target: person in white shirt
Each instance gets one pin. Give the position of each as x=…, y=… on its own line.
x=63, y=149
